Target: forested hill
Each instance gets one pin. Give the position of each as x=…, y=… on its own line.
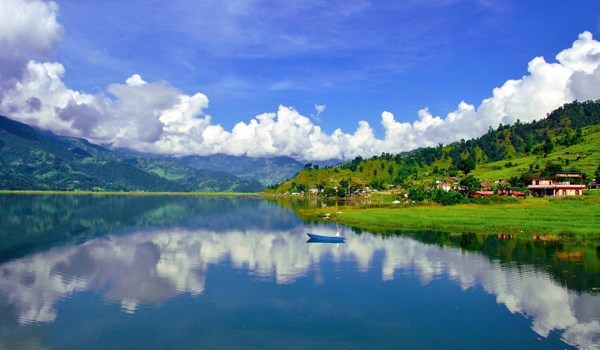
x=537, y=141
x=32, y=159
x=508, y=141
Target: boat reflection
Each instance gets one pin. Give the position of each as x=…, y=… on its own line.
x=315, y=240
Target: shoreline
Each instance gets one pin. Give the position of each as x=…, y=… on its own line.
x=541, y=218
x=569, y=218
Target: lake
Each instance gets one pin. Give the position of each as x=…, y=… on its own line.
x=187, y=272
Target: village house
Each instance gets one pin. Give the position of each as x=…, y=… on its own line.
x=550, y=187
x=593, y=185
x=503, y=183
x=444, y=186
x=486, y=185
x=479, y=194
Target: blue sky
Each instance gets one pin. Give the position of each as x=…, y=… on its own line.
x=359, y=59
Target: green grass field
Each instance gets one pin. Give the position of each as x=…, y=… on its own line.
x=572, y=217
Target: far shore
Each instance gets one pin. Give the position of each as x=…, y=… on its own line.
x=134, y=193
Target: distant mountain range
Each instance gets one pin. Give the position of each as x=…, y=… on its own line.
x=32, y=159
x=266, y=170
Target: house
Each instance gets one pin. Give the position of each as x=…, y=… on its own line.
x=479, y=194
x=444, y=186
x=486, y=185
x=594, y=185
x=512, y=193
x=550, y=187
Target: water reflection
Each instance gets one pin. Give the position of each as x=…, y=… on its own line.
x=168, y=247
x=151, y=267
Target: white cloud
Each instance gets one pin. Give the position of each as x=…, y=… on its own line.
x=25, y=26
x=28, y=25
x=135, y=80
x=156, y=117
x=319, y=109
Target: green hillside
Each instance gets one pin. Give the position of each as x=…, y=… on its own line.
x=567, y=140
x=31, y=159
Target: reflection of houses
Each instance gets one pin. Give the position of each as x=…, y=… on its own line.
x=549, y=187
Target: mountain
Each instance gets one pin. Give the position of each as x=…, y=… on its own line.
x=32, y=159
x=568, y=139
x=266, y=170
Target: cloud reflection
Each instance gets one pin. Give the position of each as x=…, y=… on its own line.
x=151, y=267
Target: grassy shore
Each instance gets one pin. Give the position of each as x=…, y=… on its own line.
x=554, y=218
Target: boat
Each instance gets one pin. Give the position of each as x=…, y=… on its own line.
x=319, y=238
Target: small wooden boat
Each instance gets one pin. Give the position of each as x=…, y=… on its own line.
x=334, y=239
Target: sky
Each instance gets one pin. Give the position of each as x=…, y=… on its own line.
x=313, y=80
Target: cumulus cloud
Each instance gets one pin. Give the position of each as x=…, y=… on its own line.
x=159, y=118
x=25, y=25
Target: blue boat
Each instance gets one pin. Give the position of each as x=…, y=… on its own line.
x=334, y=239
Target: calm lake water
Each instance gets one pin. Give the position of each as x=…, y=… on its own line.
x=162, y=272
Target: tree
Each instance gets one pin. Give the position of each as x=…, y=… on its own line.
x=470, y=184
x=597, y=173
x=308, y=166
x=417, y=194
x=548, y=145
x=466, y=165
x=551, y=169
x=516, y=182
x=343, y=187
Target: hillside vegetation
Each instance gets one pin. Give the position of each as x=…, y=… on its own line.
x=31, y=159
x=568, y=139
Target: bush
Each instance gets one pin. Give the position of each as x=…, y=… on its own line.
x=566, y=233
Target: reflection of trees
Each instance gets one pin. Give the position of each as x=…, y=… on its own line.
x=31, y=222
x=580, y=272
